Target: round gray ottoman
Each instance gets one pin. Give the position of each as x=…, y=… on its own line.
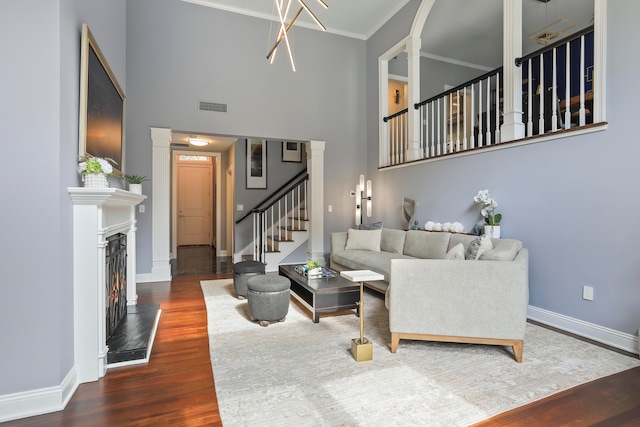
x=268, y=297
x=242, y=272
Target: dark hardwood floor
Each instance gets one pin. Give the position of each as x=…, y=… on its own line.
x=176, y=387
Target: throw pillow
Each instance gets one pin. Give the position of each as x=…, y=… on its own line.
x=477, y=247
x=366, y=240
x=372, y=226
x=456, y=252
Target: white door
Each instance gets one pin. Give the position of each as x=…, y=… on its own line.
x=194, y=203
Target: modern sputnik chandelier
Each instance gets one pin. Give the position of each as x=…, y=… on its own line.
x=284, y=8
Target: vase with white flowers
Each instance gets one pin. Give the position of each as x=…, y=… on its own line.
x=94, y=171
x=491, y=218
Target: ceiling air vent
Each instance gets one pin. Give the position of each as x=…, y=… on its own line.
x=212, y=106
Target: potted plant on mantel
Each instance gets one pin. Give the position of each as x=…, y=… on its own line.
x=94, y=171
x=135, y=182
x=491, y=218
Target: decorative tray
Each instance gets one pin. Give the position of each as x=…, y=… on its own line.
x=316, y=273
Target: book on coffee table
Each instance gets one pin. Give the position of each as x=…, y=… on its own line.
x=315, y=273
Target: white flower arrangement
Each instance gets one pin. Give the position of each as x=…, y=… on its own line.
x=94, y=165
x=489, y=210
x=452, y=227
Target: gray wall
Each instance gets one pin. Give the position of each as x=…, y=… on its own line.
x=39, y=82
x=571, y=201
x=179, y=53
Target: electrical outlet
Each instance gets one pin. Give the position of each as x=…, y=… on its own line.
x=141, y=208
x=587, y=293
x=330, y=208
x=240, y=208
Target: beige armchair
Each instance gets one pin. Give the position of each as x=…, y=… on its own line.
x=480, y=302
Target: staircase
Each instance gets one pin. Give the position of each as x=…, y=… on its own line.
x=282, y=239
x=279, y=224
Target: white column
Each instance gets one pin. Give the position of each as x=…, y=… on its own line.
x=512, y=127
x=600, y=61
x=315, y=200
x=160, y=202
x=413, y=151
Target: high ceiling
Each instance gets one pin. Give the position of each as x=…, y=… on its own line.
x=352, y=18
x=463, y=31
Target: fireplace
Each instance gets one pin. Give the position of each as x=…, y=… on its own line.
x=104, y=263
x=116, y=281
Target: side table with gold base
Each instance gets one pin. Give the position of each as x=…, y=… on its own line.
x=361, y=348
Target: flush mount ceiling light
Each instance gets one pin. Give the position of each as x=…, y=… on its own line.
x=200, y=142
x=284, y=7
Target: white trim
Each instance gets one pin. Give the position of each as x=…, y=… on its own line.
x=398, y=78
x=161, y=192
x=600, y=60
x=40, y=401
x=144, y=278
x=216, y=158
x=509, y=144
x=455, y=61
x=298, y=23
x=617, y=339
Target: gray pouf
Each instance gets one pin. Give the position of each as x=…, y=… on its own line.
x=242, y=272
x=268, y=298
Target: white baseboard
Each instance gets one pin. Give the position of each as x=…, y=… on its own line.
x=143, y=278
x=37, y=402
x=617, y=339
x=223, y=253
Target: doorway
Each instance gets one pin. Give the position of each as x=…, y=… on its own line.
x=195, y=200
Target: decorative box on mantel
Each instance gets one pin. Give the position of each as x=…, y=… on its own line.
x=98, y=213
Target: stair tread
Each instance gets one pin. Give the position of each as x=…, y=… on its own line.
x=280, y=239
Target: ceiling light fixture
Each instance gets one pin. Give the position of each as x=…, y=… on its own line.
x=283, y=13
x=200, y=142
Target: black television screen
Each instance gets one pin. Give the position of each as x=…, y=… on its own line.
x=101, y=106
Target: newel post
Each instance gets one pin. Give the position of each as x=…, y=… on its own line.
x=512, y=127
x=315, y=200
x=413, y=151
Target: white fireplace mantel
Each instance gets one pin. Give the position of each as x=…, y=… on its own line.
x=98, y=213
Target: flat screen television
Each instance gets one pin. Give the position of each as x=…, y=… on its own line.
x=102, y=106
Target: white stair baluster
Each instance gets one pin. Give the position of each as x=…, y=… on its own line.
x=554, y=92
x=480, y=130
x=567, y=88
x=541, y=97
x=497, y=131
x=583, y=120
x=472, y=143
x=530, y=100
x=432, y=142
x=488, y=112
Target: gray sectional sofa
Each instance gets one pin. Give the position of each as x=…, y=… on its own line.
x=434, y=293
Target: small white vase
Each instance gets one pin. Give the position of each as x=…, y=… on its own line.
x=95, y=180
x=492, y=231
x=135, y=188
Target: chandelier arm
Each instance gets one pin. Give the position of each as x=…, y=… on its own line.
x=315, y=18
x=283, y=34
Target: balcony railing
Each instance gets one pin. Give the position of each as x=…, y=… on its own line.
x=469, y=116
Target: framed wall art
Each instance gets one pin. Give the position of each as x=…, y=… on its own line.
x=291, y=152
x=256, y=163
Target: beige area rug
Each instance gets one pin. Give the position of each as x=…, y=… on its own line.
x=297, y=373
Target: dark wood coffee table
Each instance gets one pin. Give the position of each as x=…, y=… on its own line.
x=322, y=295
